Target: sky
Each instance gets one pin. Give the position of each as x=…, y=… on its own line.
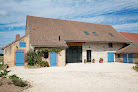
x=121, y=14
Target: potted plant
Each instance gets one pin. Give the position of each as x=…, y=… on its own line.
x=101, y=60
x=85, y=61
x=93, y=61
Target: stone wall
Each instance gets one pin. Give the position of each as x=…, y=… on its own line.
x=99, y=50
x=120, y=59
x=10, y=51
x=60, y=57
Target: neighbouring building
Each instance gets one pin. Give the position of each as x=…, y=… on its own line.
x=128, y=54
x=79, y=41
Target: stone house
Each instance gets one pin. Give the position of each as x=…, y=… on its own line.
x=79, y=41
x=128, y=54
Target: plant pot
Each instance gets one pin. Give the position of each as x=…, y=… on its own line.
x=101, y=61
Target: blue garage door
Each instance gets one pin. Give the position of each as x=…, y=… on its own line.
x=53, y=59
x=110, y=56
x=130, y=58
x=124, y=58
x=19, y=58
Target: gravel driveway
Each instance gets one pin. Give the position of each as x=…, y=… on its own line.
x=107, y=77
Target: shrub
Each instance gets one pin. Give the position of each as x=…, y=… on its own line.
x=4, y=73
x=20, y=83
x=9, y=83
x=14, y=80
x=14, y=76
x=2, y=61
x=4, y=67
x=44, y=64
x=30, y=58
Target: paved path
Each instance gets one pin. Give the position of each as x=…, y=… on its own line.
x=106, y=77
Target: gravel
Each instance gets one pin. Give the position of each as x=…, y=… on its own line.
x=96, y=77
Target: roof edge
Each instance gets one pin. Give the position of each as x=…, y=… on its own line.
x=97, y=41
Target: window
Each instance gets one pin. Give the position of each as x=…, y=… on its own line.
x=94, y=33
x=110, y=45
x=45, y=54
x=119, y=55
x=111, y=34
x=86, y=33
x=22, y=44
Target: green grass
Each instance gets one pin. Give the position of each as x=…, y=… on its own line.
x=135, y=68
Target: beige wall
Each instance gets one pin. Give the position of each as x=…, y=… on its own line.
x=9, y=52
x=99, y=50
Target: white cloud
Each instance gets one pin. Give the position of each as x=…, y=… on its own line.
x=3, y=13
x=13, y=13
x=130, y=27
x=65, y=9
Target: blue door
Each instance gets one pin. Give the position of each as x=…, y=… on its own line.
x=110, y=56
x=130, y=58
x=19, y=58
x=124, y=58
x=53, y=59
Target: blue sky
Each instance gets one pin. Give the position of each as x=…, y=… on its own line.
x=121, y=14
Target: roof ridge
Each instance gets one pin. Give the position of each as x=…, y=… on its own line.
x=68, y=20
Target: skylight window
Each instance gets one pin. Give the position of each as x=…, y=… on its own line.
x=111, y=34
x=86, y=33
x=94, y=33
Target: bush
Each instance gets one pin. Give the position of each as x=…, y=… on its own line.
x=44, y=64
x=2, y=61
x=4, y=73
x=4, y=67
x=30, y=58
x=14, y=80
x=14, y=76
x=9, y=83
x=19, y=82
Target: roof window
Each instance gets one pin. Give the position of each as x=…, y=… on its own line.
x=94, y=33
x=111, y=34
x=86, y=33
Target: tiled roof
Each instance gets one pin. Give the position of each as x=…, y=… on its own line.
x=129, y=49
x=131, y=36
x=46, y=32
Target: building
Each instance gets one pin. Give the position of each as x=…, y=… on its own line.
x=79, y=41
x=128, y=54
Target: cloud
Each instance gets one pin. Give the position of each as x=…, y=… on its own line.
x=132, y=27
x=9, y=36
x=122, y=14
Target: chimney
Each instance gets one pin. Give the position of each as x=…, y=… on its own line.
x=17, y=36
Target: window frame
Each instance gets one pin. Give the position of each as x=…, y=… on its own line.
x=95, y=34
x=86, y=33
x=110, y=45
x=111, y=34
x=45, y=54
x=22, y=44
